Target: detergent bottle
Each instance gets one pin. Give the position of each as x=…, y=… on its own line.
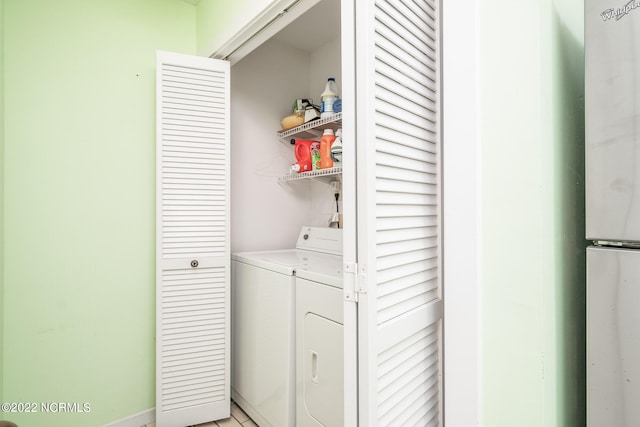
x=325, y=149
x=302, y=150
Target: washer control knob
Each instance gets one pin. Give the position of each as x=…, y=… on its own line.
x=305, y=237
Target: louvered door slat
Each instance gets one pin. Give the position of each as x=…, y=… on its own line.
x=193, y=267
x=399, y=221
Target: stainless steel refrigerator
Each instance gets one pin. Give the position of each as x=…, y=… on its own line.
x=612, y=106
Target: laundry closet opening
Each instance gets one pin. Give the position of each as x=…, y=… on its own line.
x=286, y=270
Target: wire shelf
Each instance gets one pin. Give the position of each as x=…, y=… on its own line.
x=310, y=130
x=330, y=172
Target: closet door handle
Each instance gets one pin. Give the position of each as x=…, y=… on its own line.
x=194, y=263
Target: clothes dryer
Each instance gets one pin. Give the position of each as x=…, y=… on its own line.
x=319, y=343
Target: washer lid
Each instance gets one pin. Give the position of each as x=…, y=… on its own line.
x=283, y=261
x=320, y=268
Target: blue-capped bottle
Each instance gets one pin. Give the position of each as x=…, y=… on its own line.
x=328, y=97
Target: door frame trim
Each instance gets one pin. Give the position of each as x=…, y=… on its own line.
x=462, y=156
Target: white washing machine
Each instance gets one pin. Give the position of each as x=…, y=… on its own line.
x=263, y=297
x=319, y=343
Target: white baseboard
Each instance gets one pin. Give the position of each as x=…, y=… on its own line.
x=137, y=420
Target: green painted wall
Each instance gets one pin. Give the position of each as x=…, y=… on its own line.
x=218, y=21
x=512, y=206
x=79, y=164
x=532, y=216
x=1, y=198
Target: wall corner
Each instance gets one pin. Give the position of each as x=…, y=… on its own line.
x=1, y=200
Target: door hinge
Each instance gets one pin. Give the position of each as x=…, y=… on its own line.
x=354, y=281
x=350, y=278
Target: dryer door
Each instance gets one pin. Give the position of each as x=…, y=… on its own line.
x=319, y=355
x=322, y=372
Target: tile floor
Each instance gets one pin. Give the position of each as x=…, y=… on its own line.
x=238, y=419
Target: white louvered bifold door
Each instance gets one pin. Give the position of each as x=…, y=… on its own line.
x=399, y=212
x=193, y=258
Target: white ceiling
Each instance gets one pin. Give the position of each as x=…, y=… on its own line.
x=314, y=28
x=311, y=30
